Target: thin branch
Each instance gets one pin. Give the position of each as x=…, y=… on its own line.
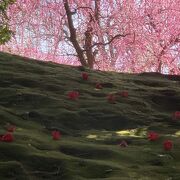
x=67, y=54
x=110, y=41
x=83, y=7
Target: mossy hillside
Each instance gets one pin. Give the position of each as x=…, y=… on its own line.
x=33, y=96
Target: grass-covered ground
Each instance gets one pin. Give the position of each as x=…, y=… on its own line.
x=33, y=96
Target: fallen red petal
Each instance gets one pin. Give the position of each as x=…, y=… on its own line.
x=153, y=136
x=168, y=145
x=56, y=135
x=11, y=128
x=85, y=76
x=1, y=137
x=111, y=98
x=124, y=94
x=123, y=144
x=176, y=115
x=8, y=137
x=98, y=86
x=73, y=95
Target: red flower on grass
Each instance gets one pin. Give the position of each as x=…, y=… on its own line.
x=123, y=94
x=98, y=86
x=168, y=145
x=10, y=128
x=111, y=98
x=56, y=135
x=73, y=95
x=176, y=115
x=152, y=136
x=8, y=137
x=85, y=76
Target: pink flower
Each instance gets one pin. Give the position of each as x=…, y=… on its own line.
x=11, y=128
x=56, y=135
x=123, y=144
x=85, y=76
x=152, y=136
x=176, y=115
x=8, y=137
x=124, y=94
x=111, y=98
x=168, y=145
x=73, y=95
x=98, y=86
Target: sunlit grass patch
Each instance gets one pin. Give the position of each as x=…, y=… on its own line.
x=101, y=135
x=92, y=136
x=177, y=133
x=139, y=132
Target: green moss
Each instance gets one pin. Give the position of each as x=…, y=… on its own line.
x=12, y=170
x=33, y=96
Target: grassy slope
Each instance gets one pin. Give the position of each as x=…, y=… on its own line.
x=33, y=96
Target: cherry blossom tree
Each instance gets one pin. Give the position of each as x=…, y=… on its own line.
x=127, y=35
x=159, y=36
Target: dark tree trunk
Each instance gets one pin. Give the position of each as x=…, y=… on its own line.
x=88, y=47
x=73, y=36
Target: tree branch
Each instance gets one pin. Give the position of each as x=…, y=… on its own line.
x=110, y=41
x=73, y=35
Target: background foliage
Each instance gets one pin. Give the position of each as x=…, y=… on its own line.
x=127, y=36
x=5, y=32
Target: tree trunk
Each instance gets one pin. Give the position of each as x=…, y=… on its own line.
x=159, y=68
x=73, y=36
x=88, y=47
